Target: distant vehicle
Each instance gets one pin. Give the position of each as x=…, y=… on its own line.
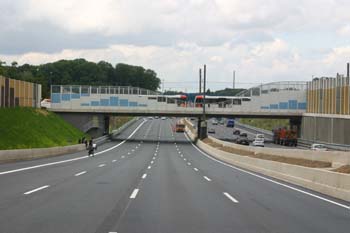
x=163, y=118
x=193, y=119
x=318, y=147
x=259, y=140
x=211, y=130
x=179, y=127
x=214, y=122
x=156, y=117
x=243, y=139
x=230, y=123
x=221, y=122
x=45, y=103
x=150, y=118
x=236, y=132
x=285, y=137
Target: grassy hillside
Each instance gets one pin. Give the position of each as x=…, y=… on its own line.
x=34, y=128
x=267, y=124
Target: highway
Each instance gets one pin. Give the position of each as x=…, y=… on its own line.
x=152, y=180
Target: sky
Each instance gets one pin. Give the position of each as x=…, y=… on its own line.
x=263, y=41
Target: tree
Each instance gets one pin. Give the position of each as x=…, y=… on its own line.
x=14, y=64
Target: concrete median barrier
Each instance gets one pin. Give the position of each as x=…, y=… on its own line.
x=337, y=158
x=27, y=154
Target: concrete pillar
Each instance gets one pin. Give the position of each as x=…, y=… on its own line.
x=106, y=124
x=296, y=123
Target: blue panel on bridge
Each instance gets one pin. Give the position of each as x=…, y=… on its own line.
x=55, y=98
x=75, y=96
x=65, y=97
x=104, y=102
x=273, y=106
x=133, y=104
x=293, y=104
x=85, y=94
x=302, y=106
x=113, y=101
x=283, y=105
x=264, y=107
x=124, y=102
x=84, y=104
x=95, y=103
x=142, y=105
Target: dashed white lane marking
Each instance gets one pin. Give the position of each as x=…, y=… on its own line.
x=185, y=159
x=179, y=152
x=144, y=176
x=149, y=167
x=132, y=150
x=80, y=173
x=134, y=193
x=154, y=158
x=205, y=177
x=112, y=232
x=230, y=197
x=181, y=156
x=123, y=157
x=270, y=180
x=189, y=164
x=196, y=169
x=102, y=165
x=152, y=162
x=37, y=189
x=113, y=161
x=128, y=153
x=155, y=154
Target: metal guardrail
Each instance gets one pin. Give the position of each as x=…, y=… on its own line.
x=123, y=127
x=255, y=129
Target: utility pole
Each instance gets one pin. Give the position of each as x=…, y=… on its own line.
x=163, y=85
x=200, y=80
x=204, y=88
x=234, y=80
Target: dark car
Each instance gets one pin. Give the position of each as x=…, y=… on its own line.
x=243, y=139
x=236, y=132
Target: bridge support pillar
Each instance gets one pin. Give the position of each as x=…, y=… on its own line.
x=202, y=128
x=106, y=124
x=295, y=123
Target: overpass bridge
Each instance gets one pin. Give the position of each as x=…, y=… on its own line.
x=89, y=106
x=274, y=100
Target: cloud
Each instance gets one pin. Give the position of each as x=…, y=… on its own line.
x=263, y=41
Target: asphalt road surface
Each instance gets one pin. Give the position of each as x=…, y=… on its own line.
x=156, y=182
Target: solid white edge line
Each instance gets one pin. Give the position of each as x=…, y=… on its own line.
x=80, y=173
x=270, y=180
x=230, y=197
x=37, y=189
x=144, y=176
x=134, y=193
x=205, y=177
x=70, y=160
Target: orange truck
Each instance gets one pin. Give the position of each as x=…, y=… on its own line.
x=285, y=137
x=179, y=127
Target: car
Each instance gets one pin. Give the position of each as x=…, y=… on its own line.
x=163, y=118
x=156, y=117
x=214, y=122
x=318, y=147
x=150, y=118
x=259, y=141
x=236, y=132
x=243, y=135
x=222, y=122
x=211, y=130
x=242, y=141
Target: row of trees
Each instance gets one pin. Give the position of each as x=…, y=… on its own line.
x=82, y=72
